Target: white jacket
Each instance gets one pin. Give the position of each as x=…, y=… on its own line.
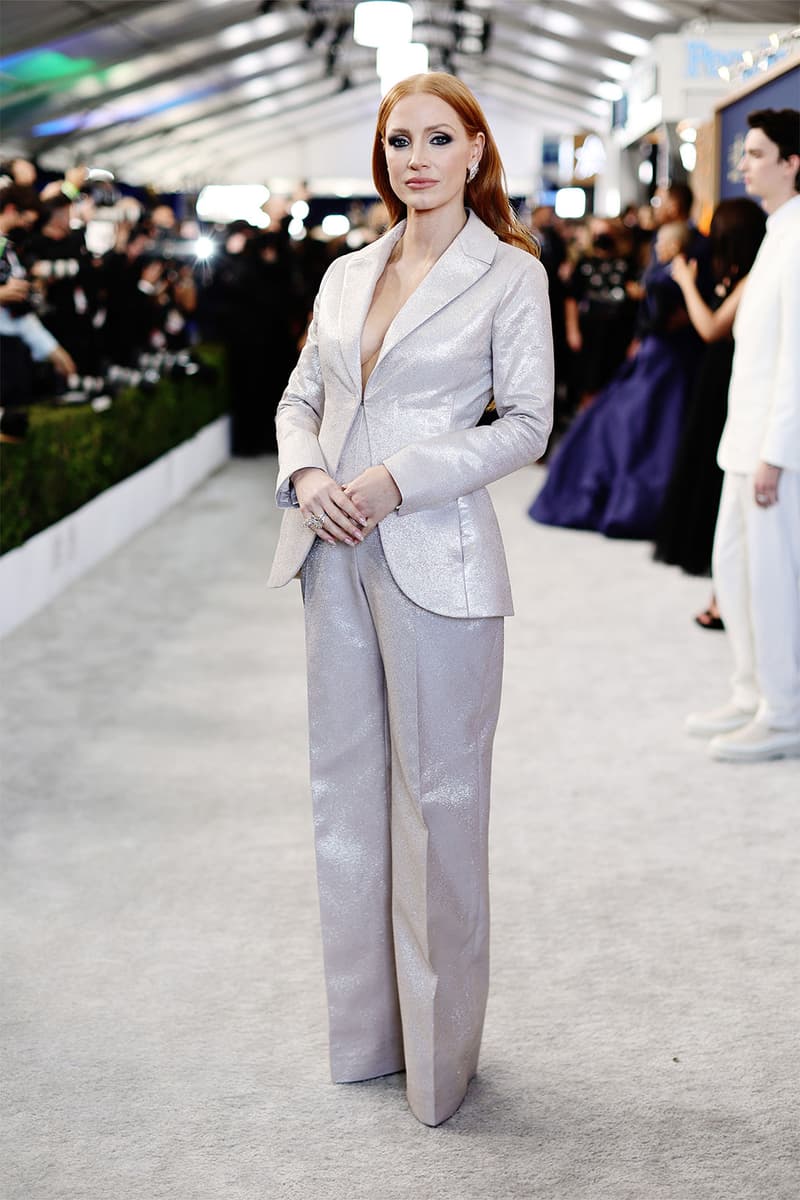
x=477, y=327
x=764, y=398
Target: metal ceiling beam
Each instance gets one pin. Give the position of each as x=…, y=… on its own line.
x=171, y=71
x=220, y=128
x=577, y=72
x=593, y=15
x=20, y=14
x=564, y=91
x=131, y=148
x=277, y=132
x=521, y=19
x=539, y=97
x=128, y=131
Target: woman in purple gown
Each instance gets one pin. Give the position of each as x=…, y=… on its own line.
x=612, y=468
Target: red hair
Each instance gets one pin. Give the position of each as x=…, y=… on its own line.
x=487, y=194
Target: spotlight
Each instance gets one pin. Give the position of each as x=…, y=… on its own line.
x=335, y=225
x=380, y=22
x=570, y=202
x=204, y=248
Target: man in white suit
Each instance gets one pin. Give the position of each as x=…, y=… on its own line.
x=757, y=542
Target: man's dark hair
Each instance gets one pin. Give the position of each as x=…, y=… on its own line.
x=683, y=196
x=53, y=205
x=24, y=199
x=781, y=126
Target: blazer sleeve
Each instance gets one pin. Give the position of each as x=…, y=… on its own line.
x=781, y=445
x=299, y=413
x=438, y=470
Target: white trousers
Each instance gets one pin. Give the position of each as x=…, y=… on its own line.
x=403, y=706
x=756, y=567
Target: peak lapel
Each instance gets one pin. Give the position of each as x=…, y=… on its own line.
x=362, y=271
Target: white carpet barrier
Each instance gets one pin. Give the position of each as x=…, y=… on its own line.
x=33, y=574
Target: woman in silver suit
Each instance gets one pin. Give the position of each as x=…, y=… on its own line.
x=383, y=470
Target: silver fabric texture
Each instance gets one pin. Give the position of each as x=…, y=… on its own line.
x=403, y=705
x=477, y=328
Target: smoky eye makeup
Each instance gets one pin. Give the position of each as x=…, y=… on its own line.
x=399, y=140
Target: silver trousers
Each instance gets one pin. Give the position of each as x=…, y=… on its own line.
x=403, y=706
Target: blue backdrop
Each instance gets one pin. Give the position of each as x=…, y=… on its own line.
x=781, y=92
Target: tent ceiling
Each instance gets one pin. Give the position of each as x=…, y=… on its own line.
x=187, y=88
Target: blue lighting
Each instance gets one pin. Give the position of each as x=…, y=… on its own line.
x=61, y=125
x=113, y=116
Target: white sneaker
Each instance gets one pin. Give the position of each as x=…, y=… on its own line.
x=724, y=719
x=755, y=742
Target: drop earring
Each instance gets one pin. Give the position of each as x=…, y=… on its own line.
x=472, y=172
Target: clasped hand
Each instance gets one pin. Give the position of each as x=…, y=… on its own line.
x=351, y=511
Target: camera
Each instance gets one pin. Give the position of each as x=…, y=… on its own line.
x=16, y=308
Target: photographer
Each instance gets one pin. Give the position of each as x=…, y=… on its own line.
x=23, y=338
x=58, y=262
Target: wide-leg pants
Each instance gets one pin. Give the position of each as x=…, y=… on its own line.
x=403, y=706
x=757, y=584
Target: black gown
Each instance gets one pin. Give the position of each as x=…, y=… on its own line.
x=687, y=520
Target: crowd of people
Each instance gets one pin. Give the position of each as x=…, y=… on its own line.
x=643, y=312
x=72, y=308
x=87, y=289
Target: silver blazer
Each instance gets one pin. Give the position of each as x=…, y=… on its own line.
x=477, y=328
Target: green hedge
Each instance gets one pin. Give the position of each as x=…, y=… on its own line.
x=71, y=455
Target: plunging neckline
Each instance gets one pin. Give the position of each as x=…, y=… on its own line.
x=376, y=356
x=373, y=358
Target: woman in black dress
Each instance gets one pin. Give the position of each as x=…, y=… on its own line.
x=686, y=526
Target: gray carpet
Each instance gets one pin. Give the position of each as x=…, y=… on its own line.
x=162, y=1007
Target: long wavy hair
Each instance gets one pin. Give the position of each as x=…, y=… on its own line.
x=737, y=230
x=487, y=194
